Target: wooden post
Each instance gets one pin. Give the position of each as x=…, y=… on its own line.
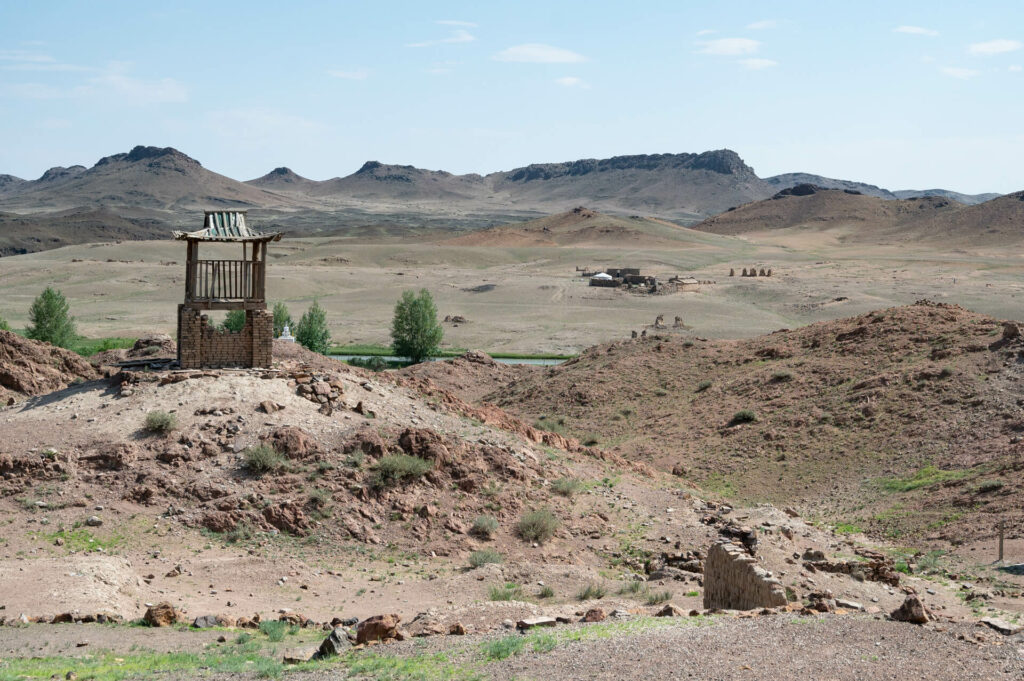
x=1000, y=541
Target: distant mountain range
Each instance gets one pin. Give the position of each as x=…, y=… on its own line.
x=161, y=186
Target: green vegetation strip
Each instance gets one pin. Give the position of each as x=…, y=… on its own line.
x=926, y=477
x=248, y=658
x=384, y=351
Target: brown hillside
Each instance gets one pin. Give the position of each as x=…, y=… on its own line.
x=579, y=226
x=38, y=232
x=858, y=216
x=844, y=413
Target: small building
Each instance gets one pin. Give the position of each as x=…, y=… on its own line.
x=219, y=284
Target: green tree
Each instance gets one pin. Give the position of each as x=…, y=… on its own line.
x=282, y=318
x=4, y=326
x=50, y=320
x=415, y=332
x=234, y=321
x=312, y=332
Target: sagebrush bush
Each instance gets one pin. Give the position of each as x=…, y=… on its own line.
x=591, y=592
x=782, y=376
x=275, y=630
x=484, y=557
x=567, y=487
x=161, y=422
x=546, y=592
x=703, y=385
x=484, y=526
x=263, y=458
x=395, y=469
x=744, y=416
x=658, y=597
x=538, y=525
x=506, y=592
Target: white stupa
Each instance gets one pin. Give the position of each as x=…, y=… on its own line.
x=286, y=335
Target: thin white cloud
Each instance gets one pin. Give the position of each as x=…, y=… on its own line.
x=729, y=47
x=112, y=82
x=958, y=72
x=706, y=31
x=260, y=125
x=24, y=56
x=763, y=25
x=1016, y=68
x=24, y=60
x=453, y=22
x=458, y=36
x=573, y=82
x=755, y=64
x=360, y=74
x=916, y=30
x=998, y=46
x=538, y=53
x=441, y=68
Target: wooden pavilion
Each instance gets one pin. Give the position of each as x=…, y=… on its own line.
x=221, y=284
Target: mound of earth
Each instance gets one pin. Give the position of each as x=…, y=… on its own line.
x=901, y=421
x=577, y=227
x=471, y=376
x=29, y=368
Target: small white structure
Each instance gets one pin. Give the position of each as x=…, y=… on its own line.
x=602, y=275
x=286, y=335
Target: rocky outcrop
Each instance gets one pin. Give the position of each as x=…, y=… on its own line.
x=162, y=614
x=733, y=580
x=29, y=368
x=379, y=628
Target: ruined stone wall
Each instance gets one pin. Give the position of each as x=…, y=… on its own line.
x=202, y=346
x=734, y=581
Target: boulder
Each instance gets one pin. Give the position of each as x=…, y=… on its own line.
x=912, y=611
x=531, y=622
x=208, y=621
x=1002, y=626
x=457, y=629
x=335, y=644
x=293, y=442
x=287, y=517
x=595, y=615
x=162, y=614
x=379, y=628
x=670, y=610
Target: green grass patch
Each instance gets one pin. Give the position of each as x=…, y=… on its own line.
x=87, y=347
x=262, y=459
x=505, y=592
x=503, y=648
x=591, y=592
x=658, y=597
x=81, y=540
x=848, y=528
x=925, y=477
x=567, y=487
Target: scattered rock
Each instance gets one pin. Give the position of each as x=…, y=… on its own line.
x=595, y=615
x=1002, y=626
x=336, y=643
x=531, y=622
x=379, y=628
x=912, y=611
x=670, y=610
x=161, y=615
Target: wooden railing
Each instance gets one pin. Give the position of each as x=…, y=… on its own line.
x=226, y=280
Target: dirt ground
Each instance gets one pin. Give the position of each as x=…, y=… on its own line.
x=529, y=299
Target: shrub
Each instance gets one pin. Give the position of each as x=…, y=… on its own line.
x=567, y=487
x=484, y=526
x=484, y=557
x=658, y=597
x=538, y=526
x=782, y=376
x=50, y=320
x=234, y=321
x=241, y=532
x=988, y=486
x=4, y=326
x=282, y=318
x=633, y=587
x=503, y=647
x=415, y=331
x=591, y=592
x=744, y=416
x=506, y=592
x=703, y=385
x=260, y=459
x=312, y=332
x=394, y=469
x=161, y=422
x=319, y=497
x=546, y=592
x=275, y=630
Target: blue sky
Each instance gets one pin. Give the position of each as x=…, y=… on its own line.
x=899, y=94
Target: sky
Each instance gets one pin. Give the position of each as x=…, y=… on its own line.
x=904, y=95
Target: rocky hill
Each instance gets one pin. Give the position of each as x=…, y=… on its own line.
x=788, y=180
x=968, y=199
x=902, y=422
x=151, y=178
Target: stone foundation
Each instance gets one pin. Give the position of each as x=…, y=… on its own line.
x=200, y=346
x=734, y=581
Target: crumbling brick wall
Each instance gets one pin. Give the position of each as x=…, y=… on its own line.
x=202, y=346
x=734, y=581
